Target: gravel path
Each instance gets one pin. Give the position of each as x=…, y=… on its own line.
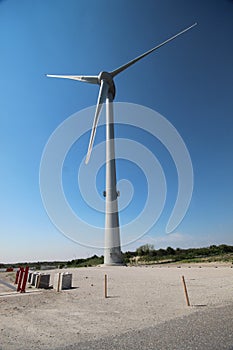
x=204, y=330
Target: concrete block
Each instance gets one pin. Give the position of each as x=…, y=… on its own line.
x=66, y=280
x=42, y=281
x=62, y=280
x=29, y=276
x=33, y=278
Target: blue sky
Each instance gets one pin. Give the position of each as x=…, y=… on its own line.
x=188, y=81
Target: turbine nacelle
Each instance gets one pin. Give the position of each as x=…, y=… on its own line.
x=107, y=77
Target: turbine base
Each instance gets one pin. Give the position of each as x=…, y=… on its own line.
x=113, y=257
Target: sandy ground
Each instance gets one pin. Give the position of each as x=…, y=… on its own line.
x=139, y=297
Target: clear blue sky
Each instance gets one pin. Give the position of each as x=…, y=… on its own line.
x=188, y=81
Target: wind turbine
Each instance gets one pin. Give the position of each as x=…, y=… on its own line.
x=112, y=254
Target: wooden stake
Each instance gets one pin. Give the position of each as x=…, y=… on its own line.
x=185, y=291
x=105, y=286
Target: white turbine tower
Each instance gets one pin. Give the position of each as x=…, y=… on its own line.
x=112, y=255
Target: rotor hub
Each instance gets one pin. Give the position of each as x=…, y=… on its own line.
x=109, y=80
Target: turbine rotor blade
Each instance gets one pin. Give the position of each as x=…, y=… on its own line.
x=86, y=79
x=130, y=63
x=104, y=87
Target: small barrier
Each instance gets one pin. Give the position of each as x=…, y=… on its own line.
x=42, y=281
x=30, y=273
x=21, y=279
x=62, y=280
x=33, y=278
x=17, y=276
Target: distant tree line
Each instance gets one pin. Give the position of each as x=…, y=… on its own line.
x=91, y=261
x=145, y=253
x=148, y=253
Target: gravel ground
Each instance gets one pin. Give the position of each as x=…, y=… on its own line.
x=204, y=330
x=146, y=309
